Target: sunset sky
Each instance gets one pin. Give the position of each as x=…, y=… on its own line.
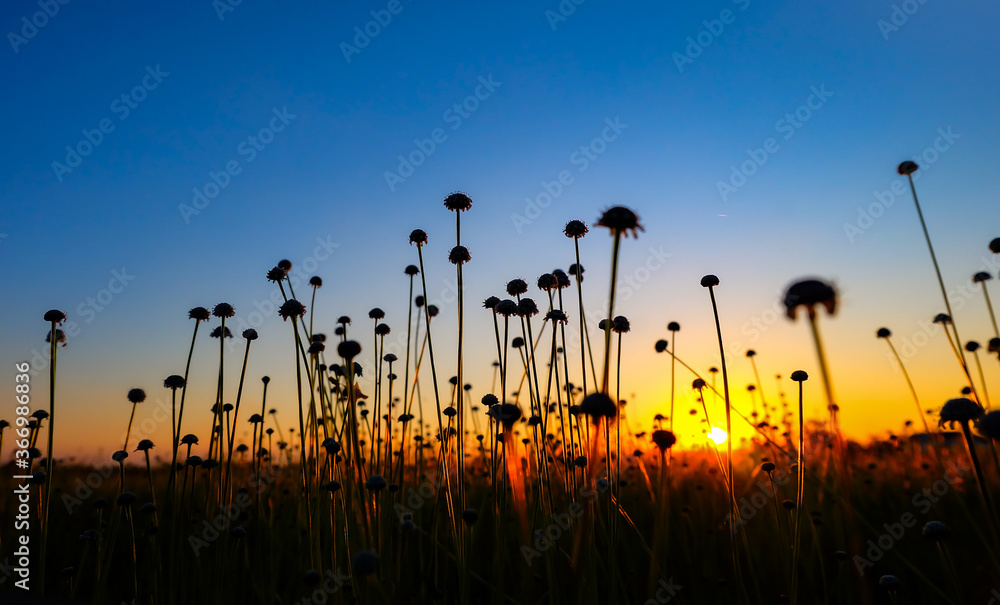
x=164, y=156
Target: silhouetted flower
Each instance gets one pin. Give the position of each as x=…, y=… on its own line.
x=54, y=316
x=556, y=315
x=995, y=246
x=883, y=333
x=562, y=280
x=547, y=281
x=661, y=345
x=507, y=307
x=458, y=201
x=989, y=425
x=527, y=307
x=411, y=270
x=799, y=376
x=218, y=332
x=491, y=302
x=250, y=334
x=936, y=531
x=144, y=445
x=376, y=313
x=576, y=229
x=223, y=310
x=620, y=325
x=959, y=410
x=981, y=277
x=418, y=237
x=709, y=280
x=516, y=287
x=174, y=382
x=276, y=274
x=809, y=293
x=664, y=439
x=942, y=318
x=136, y=395
x=316, y=348
x=907, y=168
x=972, y=346
x=349, y=349
x=291, y=308
x=60, y=337
x=459, y=255
x=597, y=406
x=620, y=219
x=199, y=313
x=505, y=413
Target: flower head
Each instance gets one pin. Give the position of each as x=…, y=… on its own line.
x=504, y=413
x=285, y=265
x=936, y=531
x=136, y=395
x=959, y=410
x=562, y=280
x=458, y=201
x=459, y=255
x=144, y=445
x=709, y=280
x=418, y=237
x=547, y=281
x=223, y=310
x=516, y=287
x=491, y=302
x=661, y=345
x=382, y=329
x=620, y=325
x=597, y=406
x=411, y=270
x=621, y=220
x=942, y=318
x=507, y=307
x=250, y=334
x=54, y=316
x=218, y=332
x=291, y=308
x=174, y=382
x=60, y=336
x=316, y=281
x=981, y=277
x=995, y=246
x=349, y=349
x=576, y=229
x=799, y=376
x=376, y=314
x=526, y=307
x=883, y=333
x=199, y=313
x=989, y=424
x=809, y=293
x=664, y=439
x=276, y=274
x=907, y=168
x=556, y=315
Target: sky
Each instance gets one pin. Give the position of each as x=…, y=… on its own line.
x=163, y=156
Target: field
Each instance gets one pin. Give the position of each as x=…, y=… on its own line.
x=541, y=490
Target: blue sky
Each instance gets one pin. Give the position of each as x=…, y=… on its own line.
x=696, y=92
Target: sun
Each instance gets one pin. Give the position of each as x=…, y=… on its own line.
x=717, y=435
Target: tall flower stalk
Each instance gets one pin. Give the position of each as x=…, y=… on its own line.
x=55, y=317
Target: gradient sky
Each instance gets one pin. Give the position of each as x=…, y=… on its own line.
x=696, y=90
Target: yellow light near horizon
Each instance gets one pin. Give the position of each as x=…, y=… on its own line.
x=717, y=435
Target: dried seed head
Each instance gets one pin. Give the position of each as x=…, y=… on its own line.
x=349, y=349
x=174, y=382
x=411, y=270
x=459, y=255
x=291, y=308
x=575, y=229
x=883, y=333
x=223, y=310
x=250, y=334
x=809, y=293
x=661, y=345
x=418, y=237
x=907, y=168
x=199, y=313
x=517, y=287
x=136, y=395
x=621, y=220
x=54, y=316
x=458, y=202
